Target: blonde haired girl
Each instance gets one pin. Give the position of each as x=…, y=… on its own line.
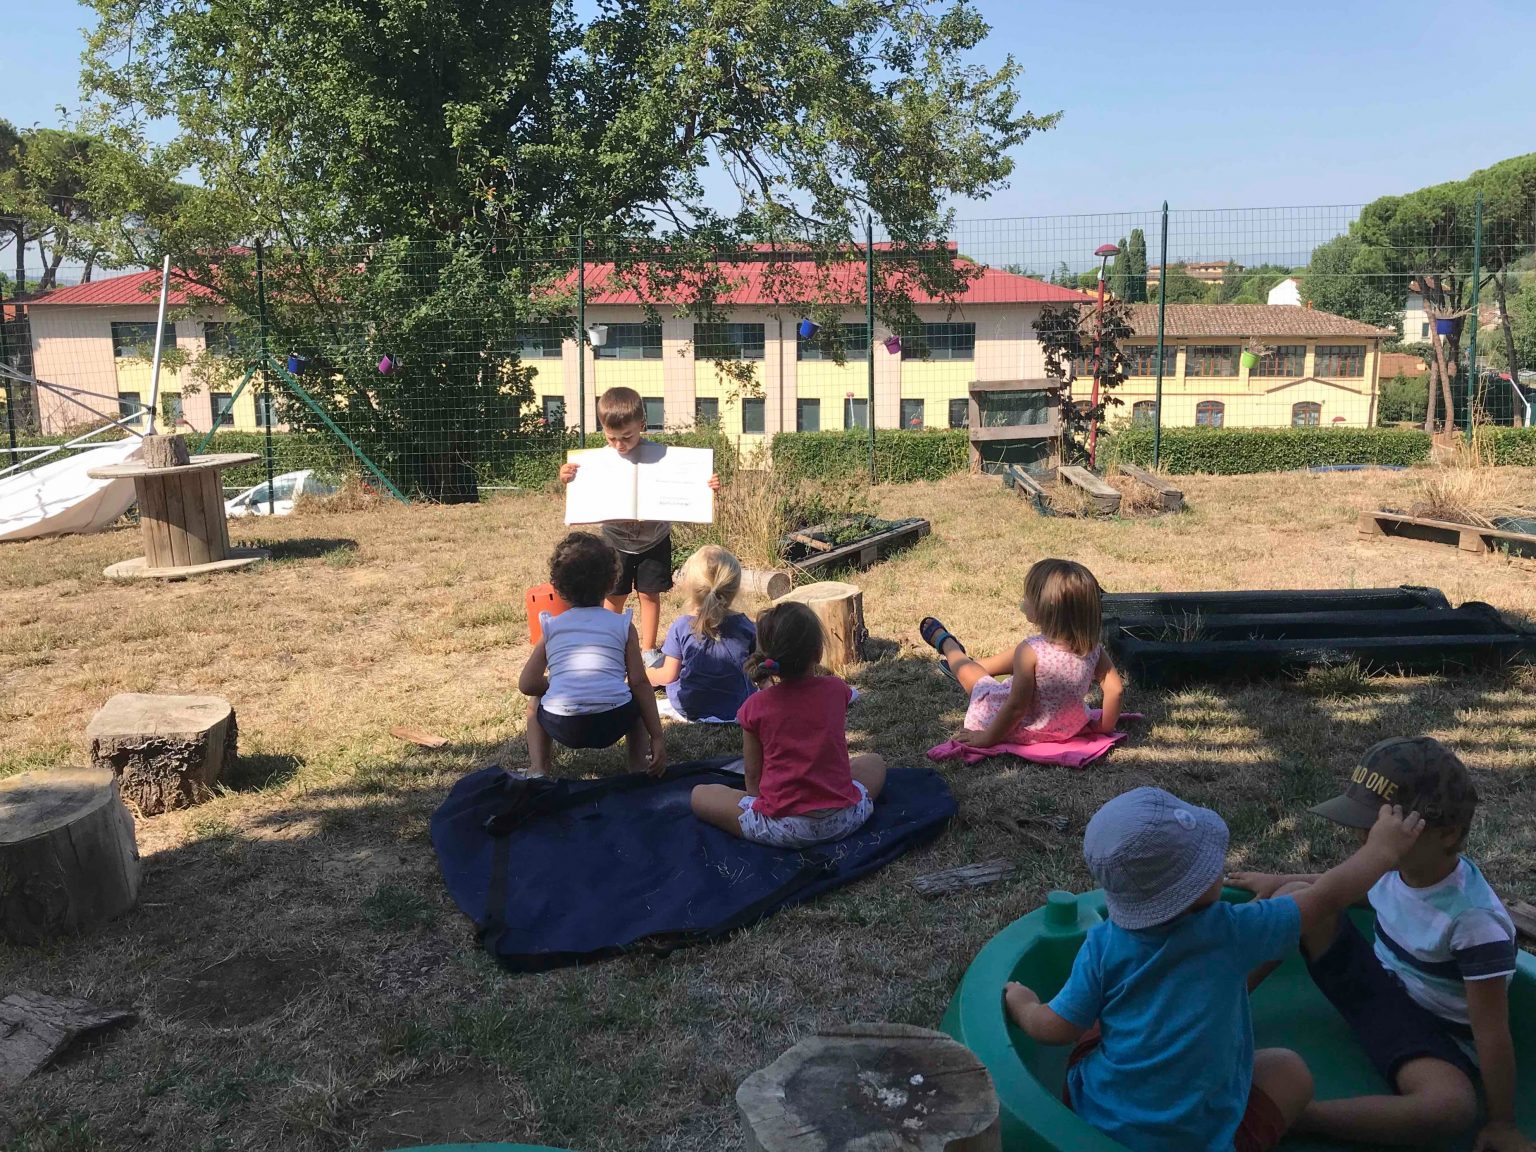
x=705, y=650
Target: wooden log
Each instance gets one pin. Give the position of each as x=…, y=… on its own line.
x=1524, y=916
x=948, y=880
x=840, y=608
x=1103, y=497
x=168, y=751
x=36, y=1029
x=68, y=858
x=164, y=451
x=810, y=542
x=769, y=582
x=889, y=1087
x=1171, y=498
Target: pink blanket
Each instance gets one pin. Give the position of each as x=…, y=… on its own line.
x=1082, y=749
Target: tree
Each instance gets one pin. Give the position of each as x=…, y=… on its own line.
x=12, y=216
x=1508, y=190
x=1069, y=335
x=1520, y=322
x=1180, y=286
x=1120, y=272
x=1136, y=285
x=441, y=157
x=1345, y=279
x=1063, y=276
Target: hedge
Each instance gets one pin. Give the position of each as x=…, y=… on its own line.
x=1515, y=446
x=900, y=456
x=1238, y=451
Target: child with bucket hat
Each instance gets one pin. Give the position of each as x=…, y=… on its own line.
x=1157, y=1002
x=1429, y=1000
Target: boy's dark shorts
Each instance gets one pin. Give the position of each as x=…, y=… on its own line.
x=590, y=729
x=648, y=571
x=1390, y=1025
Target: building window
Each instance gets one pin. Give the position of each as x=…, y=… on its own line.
x=1210, y=413
x=631, y=342
x=823, y=345
x=940, y=342
x=1306, y=414
x=655, y=414
x=542, y=342
x=807, y=415
x=706, y=412
x=554, y=410
x=959, y=413
x=911, y=414
x=1340, y=361
x=1210, y=360
x=219, y=338
x=1143, y=359
x=752, y=410
x=1424, y=330
x=855, y=413
x=133, y=341
x=128, y=404
x=1288, y=360
x=223, y=409
x=728, y=342
x=266, y=411
x=1143, y=412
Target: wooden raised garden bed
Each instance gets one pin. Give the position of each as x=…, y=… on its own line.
x=856, y=542
x=1473, y=538
x=1171, y=498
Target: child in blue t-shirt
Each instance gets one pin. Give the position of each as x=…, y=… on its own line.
x=1157, y=1002
x=705, y=651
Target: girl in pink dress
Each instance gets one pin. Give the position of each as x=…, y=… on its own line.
x=1052, y=671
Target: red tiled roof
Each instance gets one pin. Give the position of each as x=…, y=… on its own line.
x=134, y=288
x=1243, y=320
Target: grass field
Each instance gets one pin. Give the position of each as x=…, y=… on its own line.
x=302, y=980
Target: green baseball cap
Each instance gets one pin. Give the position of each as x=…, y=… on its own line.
x=1417, y=772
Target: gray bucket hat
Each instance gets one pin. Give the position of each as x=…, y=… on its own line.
x=1154, y=855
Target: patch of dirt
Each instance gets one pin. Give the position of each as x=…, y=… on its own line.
x=242, y=989
x=462, y=1107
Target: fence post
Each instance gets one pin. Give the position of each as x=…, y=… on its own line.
x=1162, y=311
x=10, y=397
x=581, y=334
x=266, y=375
x=869, y=320
x=1477, y=277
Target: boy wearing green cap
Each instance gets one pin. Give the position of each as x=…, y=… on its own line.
x=1429, y=1001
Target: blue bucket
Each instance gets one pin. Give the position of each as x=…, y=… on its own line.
x=1447, y=326
x=808, y=328
x=297, y=364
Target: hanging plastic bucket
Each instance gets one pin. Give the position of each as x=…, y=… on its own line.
x=297, y=364
x=1447, y=325
x=386, y=366
x=1250, y=360
x=893, y=344
x=808, y=328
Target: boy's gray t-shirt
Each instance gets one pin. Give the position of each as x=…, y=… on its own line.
x=635, y=536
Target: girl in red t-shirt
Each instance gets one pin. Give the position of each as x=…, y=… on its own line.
x=801, y=787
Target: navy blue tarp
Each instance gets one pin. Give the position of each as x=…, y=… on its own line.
x=557, y=872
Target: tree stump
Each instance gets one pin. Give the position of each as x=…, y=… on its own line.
x=164, y=451
x=167, y=751
x=68, y=858
x=769, y=582
x=871, y=1088
x=840, y=608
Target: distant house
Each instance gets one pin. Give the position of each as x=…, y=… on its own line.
x=1205, y=271
x=1287, y=293
x=1319, y=369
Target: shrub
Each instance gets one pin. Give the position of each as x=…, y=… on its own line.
x=1403, y=399
x=900, y=456
x=1237, y=451
x=1515, y=446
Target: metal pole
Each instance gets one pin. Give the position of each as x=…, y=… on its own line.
x=266, y=375
x=1098, y=336
x=10, y=400
x=869, y=320
x=581, y=332
x=1477, y=276
x=1162, y=307
x=154, y=372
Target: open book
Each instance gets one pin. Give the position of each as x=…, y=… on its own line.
x=655, y=482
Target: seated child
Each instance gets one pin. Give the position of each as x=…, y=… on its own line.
x=1429, y=1002
x=801, y=787
x=585, y=681
x=705, y=652
x=1157, y=1002
x=1052, y=671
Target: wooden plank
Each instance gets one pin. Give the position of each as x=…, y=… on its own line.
x=1100, y=494
x=1039, y=385
x=1368, y=524
x=1524, y=916
x=948, y=880
x=417, y=736
x=217, y=532
x=195, y=523
x=1471, y=540
x=1048, y=430
x=175, y=521
x=855, y=552
x=157, y=544
x=1467, y=537
x=1171, y=498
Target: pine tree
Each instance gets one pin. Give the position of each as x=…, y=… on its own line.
x=1136, y=288
x=1120, y=272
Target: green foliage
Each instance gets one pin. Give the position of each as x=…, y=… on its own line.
x=1120, y=272
x=1073, y=334
x=900, y=456
x=1239, y=451
x=1179, y=286
x=1515, y=447
x=1521, y=319
x=1136, y=270
x=1402, y=400
x=1250, y=285
x=1346, y=279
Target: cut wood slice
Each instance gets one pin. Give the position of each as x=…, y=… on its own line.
x=840, y=608
x=68, y=858
x=890, y=1087
x=36, y=1029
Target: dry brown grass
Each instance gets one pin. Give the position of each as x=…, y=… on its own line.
x=1136, y=499
x=1463, y=486
x=303, y=981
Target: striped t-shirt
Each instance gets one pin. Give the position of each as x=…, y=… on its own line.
x=1436, y=939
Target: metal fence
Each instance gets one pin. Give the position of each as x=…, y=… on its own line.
x=441, y=368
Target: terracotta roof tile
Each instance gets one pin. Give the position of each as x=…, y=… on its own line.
x=1248, y=320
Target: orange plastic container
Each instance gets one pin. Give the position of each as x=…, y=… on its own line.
x=541, y=598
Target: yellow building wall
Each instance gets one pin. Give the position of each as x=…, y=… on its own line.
x=829, y=384
x=936, y=383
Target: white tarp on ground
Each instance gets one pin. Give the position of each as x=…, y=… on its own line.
x=59, y=498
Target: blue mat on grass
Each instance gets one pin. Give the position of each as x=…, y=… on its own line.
x=558, y=872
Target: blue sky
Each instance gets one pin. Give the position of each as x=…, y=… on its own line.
x=1206, y=105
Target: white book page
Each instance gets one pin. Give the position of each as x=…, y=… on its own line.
x=603, y=489
x=674, y=486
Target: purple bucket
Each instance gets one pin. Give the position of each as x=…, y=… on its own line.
x=386, y=366
x=808, y=328
x=893, y=344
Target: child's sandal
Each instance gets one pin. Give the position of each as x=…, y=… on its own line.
x=935, y=634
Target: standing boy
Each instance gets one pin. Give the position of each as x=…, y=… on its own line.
x=644, y=546
x=1429, y=1001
